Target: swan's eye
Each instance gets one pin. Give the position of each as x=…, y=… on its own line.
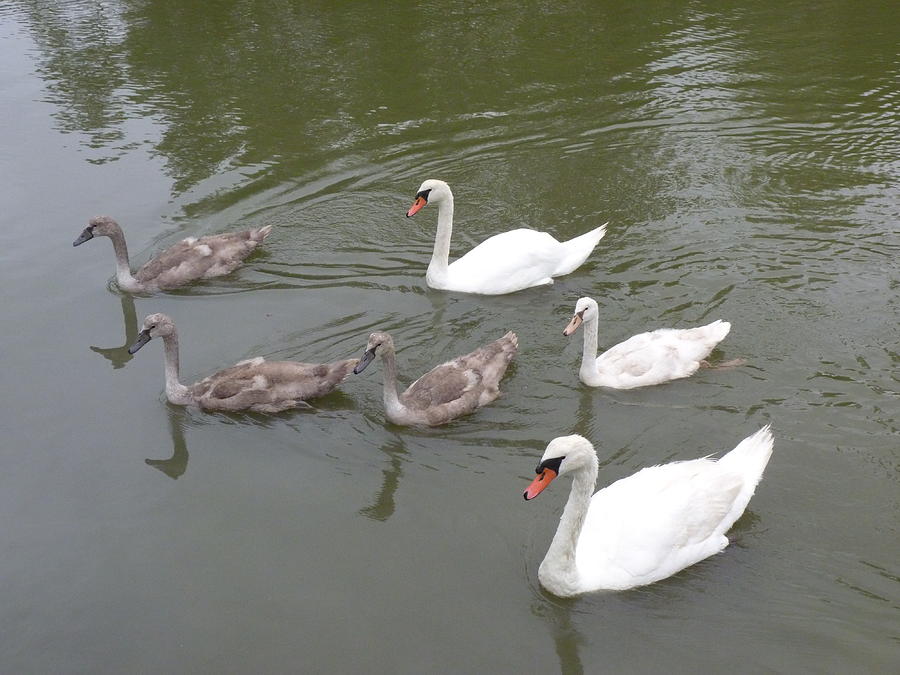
x=553, y=464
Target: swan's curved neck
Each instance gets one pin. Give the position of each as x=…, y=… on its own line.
x=558, y=572
x=176, y=392
x=123, y=268
x=589, y=371
x=440, y=258
x=391, y=398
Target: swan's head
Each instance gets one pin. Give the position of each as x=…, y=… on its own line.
x=376, y=340
x=563, y=455
x=585, y=310
x=431, y=190
x=155, y=325
x=101, y=226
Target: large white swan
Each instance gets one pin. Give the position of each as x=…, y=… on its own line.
x=503, y=263
x=645, y=527
x=644, y=359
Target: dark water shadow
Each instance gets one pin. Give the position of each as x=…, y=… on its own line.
x=119, y=356
x=175, y=466
x=383, y=506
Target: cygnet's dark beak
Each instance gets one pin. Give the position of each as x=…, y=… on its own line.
x=143, y=338
x=366, y=359
x=83, y=237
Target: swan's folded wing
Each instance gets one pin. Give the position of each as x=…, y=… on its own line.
x=506, y=262
x=648, y=358
x=659, y=520
x=442, y=384
x=194, y=258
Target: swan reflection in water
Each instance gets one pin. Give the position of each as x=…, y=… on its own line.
x=175, y=465
x=557, y=612
x=119, y=356
x=383, y=506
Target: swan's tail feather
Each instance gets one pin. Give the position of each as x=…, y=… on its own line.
x=751, y=455
x=261, y=233
x=749, y=460
x=717, y=330
x=578, y=249
x=510, y=345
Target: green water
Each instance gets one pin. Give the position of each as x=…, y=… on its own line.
x=748, y=158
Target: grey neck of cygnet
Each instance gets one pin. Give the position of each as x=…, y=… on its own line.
x=123, y=266
x=176, y=392
x=389, y=362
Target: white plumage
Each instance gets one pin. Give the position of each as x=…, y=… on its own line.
x=504, y=263
x=648, y=526
x=644, y=359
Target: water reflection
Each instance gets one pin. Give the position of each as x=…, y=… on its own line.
x=119, y=356
x=383, y=506
x=558, y=614
x=175, y=466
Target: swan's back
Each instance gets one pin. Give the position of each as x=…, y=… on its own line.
x=269, y=386
x=652, y=524
x=659, y=356
x=518, y=259
x=192, y=258
x=507, y=262
x=460, y=386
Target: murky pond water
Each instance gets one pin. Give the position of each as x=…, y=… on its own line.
x=748, y=158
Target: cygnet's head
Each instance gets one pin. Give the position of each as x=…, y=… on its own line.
x=376, y=340
x=155, y=325
x=563, y=455
x=431, y=190
x=100, y=226
x=585, y=310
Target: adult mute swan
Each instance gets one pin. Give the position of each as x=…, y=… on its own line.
x=503, y=263
x=186, y=261
x=645, y=527
x=447, y=391
x=644, y=359
x=256, y=385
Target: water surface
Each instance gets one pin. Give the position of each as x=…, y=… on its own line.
x=748, y=160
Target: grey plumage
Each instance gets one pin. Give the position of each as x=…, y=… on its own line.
x=447, y=391
x=187, y=261
x=254, y=385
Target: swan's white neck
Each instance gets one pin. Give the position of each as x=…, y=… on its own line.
x=124, y=278
x=176, y=392
x=558, y=572
x=590, y=373
x=440, y=258
x=392, y=404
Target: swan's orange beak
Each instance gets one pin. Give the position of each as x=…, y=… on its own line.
x=538, y=484
x=416, y=207
x=573, y=324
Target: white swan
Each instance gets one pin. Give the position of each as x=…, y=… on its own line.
x=188, y=260
x=647, y=358
x=503, y=263
x=645, y=527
